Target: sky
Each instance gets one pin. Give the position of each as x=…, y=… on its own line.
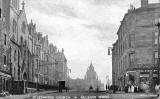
x=84, y=28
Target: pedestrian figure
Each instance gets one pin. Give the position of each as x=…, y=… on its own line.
x=157, y=88
x=135, y=88
x=126, y=88
x=129, y=89
x=132, y=89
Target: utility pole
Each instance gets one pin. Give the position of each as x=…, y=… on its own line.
x=107, y=84
x=69, y=71
x=11, y=70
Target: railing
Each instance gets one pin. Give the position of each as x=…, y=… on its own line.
x=31, y=85
x=18, y=87
x=48, y=87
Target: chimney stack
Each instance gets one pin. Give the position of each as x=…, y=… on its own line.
x=144, y=3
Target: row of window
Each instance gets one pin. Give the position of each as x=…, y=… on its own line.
x=131, y=56
x=123, y=63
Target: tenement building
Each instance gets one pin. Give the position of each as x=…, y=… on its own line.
x=135, y=51
x=27, y=59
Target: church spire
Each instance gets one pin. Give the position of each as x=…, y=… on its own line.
x=91, y=66
x=91, y=63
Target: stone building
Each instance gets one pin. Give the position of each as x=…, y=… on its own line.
x=25, y=54
x=61, y=66
x=135, y=51
x=50, y=65
x=91, y=79
x=5, y=47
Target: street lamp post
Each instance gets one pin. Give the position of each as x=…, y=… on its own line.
x=158, y=63
x=69, y=70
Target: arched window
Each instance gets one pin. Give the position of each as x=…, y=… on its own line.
x=15, y=55
x=23, y=27
x=21, y=40
x=14, y=26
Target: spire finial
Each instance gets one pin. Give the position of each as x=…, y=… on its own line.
x=91, y=62
x=23, y=4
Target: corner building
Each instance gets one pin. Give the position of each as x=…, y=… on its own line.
x=135, y=51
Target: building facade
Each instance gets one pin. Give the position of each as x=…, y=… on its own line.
x=91, y=79
x=135, y=51
x=25, y=54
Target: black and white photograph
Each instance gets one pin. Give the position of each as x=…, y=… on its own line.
x=79, y=49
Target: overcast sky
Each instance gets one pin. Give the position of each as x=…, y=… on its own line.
x=84, y=28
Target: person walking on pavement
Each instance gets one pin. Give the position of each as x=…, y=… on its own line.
x=132, y=89
x=157, y=88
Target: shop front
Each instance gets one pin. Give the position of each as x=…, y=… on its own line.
x=147, y=76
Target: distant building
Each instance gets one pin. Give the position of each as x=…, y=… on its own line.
x=61, y=66
x=91, y=79
x=77, y=84
x=135, y=51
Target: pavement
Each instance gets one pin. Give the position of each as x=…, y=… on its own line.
x=134, y=96
x=118, y=95
x=24, y=96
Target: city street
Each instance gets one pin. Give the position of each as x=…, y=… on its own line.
x=86, y=95
x=79, y=49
